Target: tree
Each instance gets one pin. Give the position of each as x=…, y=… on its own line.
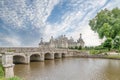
x=105, y=31
x=106, y=23
x=108, y=43
x=116, y=43
x=80, y=47
x=76, y=47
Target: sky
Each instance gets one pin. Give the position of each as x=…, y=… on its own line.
x=24, y=22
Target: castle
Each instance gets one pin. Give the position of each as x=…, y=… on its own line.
x=62, y=42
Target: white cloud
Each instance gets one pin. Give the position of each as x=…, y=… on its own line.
x=11, y=41
x=15, y=12
x=113, y=4
x=73, y=21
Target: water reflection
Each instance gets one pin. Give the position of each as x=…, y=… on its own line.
x=70, y=69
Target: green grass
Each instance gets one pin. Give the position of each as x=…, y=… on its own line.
x=113, y=56
x=94, y=52
x=1, y=71
x=15, y=78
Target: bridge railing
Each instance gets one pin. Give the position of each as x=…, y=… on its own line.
x=35, y=49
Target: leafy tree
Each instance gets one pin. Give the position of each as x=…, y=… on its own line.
x=108, y=43
x=106, y=23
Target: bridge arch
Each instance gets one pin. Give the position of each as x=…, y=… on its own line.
x=57, y=55
x=35, y=57
x=18, y=59
x=48, y=56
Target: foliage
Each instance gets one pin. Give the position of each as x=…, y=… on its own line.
x=76, y=47
x=80, y=47
x=94, y=52
x=106, y=23
x=1, y=71
x=14, y=78
x=88, y=48
x=10, y=50
x=2, y=78
x=108, y=43
x=2, y=75
x=116, y=42
x=113, y=56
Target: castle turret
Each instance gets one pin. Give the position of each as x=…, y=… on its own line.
x=80, y=41
x=52, y=43
x=41, y=43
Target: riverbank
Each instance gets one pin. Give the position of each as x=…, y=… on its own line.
x=99, y=57
x=104, y=55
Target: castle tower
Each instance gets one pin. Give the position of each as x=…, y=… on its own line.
x=80, y=36
x=52, y=43
x=65, y=42
x=80, y=41
x=41, y=43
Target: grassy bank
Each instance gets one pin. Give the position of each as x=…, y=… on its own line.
x=113, y=56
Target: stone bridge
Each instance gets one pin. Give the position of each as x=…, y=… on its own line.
x=26, y=55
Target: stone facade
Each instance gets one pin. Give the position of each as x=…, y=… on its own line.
x=62, y=42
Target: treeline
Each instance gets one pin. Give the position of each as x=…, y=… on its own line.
x=76, y=47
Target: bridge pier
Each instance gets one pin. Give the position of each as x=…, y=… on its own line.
x=27, y=60
x=7, y=62
x=52, y=57
x=42, y=58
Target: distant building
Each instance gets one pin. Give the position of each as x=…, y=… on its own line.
x=62, y=42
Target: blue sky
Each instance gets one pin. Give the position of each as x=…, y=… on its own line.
x=24, y=22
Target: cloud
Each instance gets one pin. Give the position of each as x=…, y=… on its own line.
x=24, y=19
x=76, y=21
x=23, y=22
x=10, y=41
x=112, y=4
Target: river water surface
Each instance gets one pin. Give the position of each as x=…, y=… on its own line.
x=70, y=69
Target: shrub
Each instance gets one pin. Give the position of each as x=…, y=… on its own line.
x=2, y=78
x=14, y=78
x=1, y=71
x=94, y=51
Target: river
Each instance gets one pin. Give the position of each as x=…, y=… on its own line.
x=70, y=69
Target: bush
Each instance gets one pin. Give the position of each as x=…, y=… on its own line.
x=2, y=78
x=94, y=51
x=1, y=71
x=14, y=78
